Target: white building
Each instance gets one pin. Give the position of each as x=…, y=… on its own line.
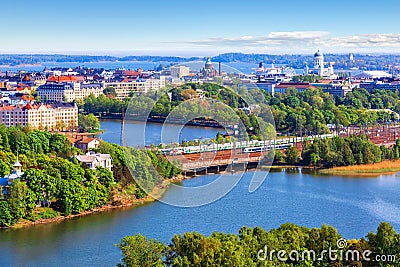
x=126, y=87
x=93, y=160
x=179, y=71
x=319, y=67
x=371, y=75
x=68, y=92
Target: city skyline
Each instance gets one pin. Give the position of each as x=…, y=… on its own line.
x=201, y=28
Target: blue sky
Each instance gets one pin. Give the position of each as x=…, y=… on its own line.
x=122, y=27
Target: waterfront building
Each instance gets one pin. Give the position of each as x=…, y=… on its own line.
x=59, y=116
x=273, y=74
x=93, y=160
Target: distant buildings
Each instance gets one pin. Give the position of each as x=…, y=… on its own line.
x=319, y=67
x=370, y=86
x=67, y=89
x=273, y=74
x=126, y=87
x=208, y=71
x=178, y=72
x=300, y=87
x=60, y=116
x=335, y=87
x=371, y=75
x=93, y=160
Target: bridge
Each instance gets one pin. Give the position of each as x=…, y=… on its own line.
x=247, y=154
x=235, y=155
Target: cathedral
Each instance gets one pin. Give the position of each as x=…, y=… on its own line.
x=208, y=70
x=319, y=67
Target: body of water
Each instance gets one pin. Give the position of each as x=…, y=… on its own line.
x=354, y=206
x=138, y=133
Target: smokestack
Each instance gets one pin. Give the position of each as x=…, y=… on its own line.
x=219, y=68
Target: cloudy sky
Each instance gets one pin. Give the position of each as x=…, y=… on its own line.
x=123, y=27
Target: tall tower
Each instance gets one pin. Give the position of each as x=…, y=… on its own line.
x=306, y=70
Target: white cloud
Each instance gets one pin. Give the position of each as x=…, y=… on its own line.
x=306, y=41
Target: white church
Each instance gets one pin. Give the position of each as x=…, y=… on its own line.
x=319, y=67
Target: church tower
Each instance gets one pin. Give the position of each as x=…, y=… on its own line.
x=17, y=167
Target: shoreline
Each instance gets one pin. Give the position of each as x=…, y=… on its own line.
x=386, y=167
x=162, y=121
x=362, y=171
x=156, y=193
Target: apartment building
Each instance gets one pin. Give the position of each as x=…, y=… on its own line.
x=61, y=116
x=126, y=87
x=68, y=91
x=179, y=71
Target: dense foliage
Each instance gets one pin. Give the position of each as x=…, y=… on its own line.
x=337, y=151
x=220, y=249
x=346, y=151
x=308, y=112
x=88, y=123
x=54, y=185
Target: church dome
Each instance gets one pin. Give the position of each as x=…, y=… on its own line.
x=208, y=64
x=318, y=54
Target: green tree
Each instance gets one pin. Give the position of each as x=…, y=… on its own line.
x=141, y=252
x=4, y=169
x=21, y=200
x=6, y=218
x=292, y=155
x=110, y=91
x=89, y=123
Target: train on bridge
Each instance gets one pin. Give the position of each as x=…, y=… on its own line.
x=245, y=146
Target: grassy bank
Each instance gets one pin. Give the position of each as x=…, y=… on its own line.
x=376, y=169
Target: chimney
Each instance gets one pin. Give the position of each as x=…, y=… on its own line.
x=219, y=69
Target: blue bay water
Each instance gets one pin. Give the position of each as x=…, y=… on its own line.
x=354, y=206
